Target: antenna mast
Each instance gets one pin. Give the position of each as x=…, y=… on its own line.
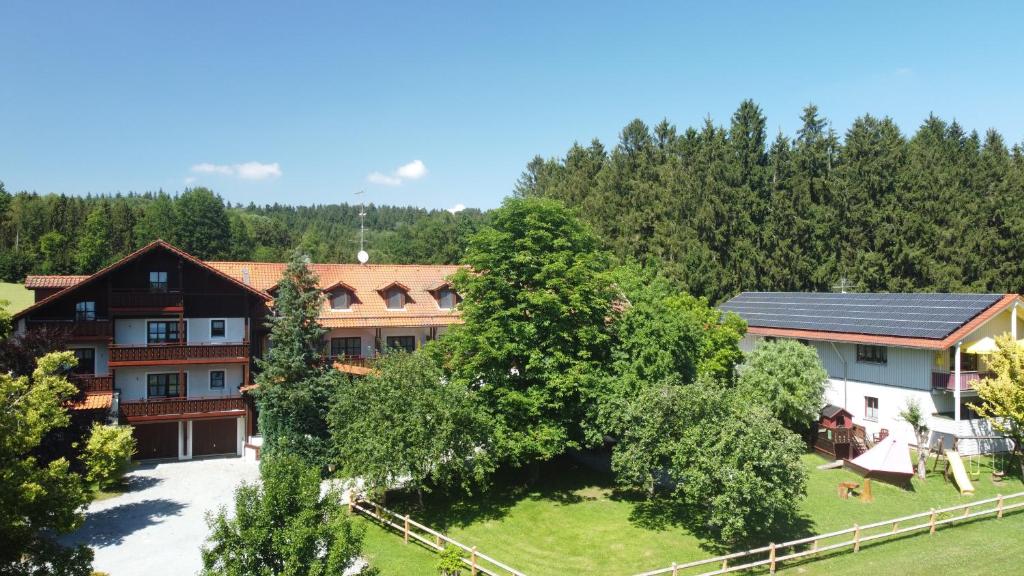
x=363, y=257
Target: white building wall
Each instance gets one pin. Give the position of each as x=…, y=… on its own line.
x=132, y=381
x=368, y=336
x=102, y=355
x=891, y=400
x=132, y=331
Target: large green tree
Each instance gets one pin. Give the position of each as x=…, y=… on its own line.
x=538, y=301
x=94, y=246
x=787, y=379
x=37, y=500
x=282, y=526
x=201, y=223
x=295, y=384
x=405, y=423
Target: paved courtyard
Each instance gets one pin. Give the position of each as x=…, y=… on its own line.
x=157, y=527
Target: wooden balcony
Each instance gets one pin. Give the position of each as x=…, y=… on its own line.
x=76, y=330
x=356, y=365
x=146, y=301
x=946, y=381
x=93, y=383
x=173, y=408
x=179, y=354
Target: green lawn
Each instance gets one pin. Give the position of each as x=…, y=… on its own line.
x=574, y=522
x=18, y=296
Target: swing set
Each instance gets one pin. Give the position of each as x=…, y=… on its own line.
x=973, y=467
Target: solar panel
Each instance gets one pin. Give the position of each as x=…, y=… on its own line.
x=911, y=315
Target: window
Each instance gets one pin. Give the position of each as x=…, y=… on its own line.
x=396, y=299
x=158, y=281
x=162, y=385
x=351, y=347
x=216, y=379
x=446, y=298
x=871, y=408
x=217, y=328
x=968, y=362
x=407, y=343
x=341, y=300
x=162, y=331
x=86, y=361
x=85, y=310
x=871, y=354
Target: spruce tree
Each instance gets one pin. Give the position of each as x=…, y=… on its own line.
x=295, y=382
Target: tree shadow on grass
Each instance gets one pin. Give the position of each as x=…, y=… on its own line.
x=109, y=527
x=561, y=481
x=660, y=513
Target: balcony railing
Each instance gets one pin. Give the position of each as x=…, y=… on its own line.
x=947, y=380
x=361, y=361
x=93, y=383
x=181, y=406
x=78, y=329
x=145, y=300
x=189, y=352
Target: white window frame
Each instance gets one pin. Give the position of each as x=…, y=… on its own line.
x=212, y=337
x=209, y=379
x=181, y=375
x=146, y=331
x=869, y=414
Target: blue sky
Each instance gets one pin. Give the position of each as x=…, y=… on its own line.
x=309, y=102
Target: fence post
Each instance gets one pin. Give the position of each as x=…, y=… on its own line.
x=725, y=563
x=437, y=539
x=814, y=545
x=406, y=528
x=895, y=525
x=931, y=523
x=472, y=560
x=771, y=558
x=856, y=538
x=377, y=508
x=675, y=569
x=999, y=507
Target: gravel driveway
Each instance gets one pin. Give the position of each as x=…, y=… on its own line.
x=157, y=527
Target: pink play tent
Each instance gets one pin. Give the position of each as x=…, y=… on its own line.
x=887, y=460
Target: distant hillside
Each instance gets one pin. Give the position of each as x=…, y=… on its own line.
x=59, y=234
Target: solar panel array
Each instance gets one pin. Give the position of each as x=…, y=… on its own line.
x=904, y=315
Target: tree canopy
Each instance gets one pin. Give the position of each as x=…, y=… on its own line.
x=535, y=333
x=786, y=378
x=38, y=500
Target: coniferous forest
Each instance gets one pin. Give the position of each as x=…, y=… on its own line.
x=719, y=208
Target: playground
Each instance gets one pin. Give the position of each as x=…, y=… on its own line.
x=575, y=521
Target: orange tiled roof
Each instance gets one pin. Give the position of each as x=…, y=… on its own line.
x=38, y=281
x=368, y=308
x=94, y=401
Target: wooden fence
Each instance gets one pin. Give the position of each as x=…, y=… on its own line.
x=478, y=562
x=854, y=537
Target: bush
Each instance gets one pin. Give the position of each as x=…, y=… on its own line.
x=787, y=378
x=107, y=454
x=450, y=562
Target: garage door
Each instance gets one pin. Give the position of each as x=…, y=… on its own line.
x=156, y=440
x=214, y=437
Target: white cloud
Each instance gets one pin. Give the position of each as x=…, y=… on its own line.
x=412, y=171
x=383, y=179
x=457, y=208
x=245, y=171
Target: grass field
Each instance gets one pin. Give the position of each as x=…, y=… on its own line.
x=18, y=296
x=574, y=522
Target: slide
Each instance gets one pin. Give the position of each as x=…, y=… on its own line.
x=959, y=473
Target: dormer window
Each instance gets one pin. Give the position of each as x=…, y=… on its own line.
x=158, y=281
x=395, y=298
x=341, y=300
x=446, y=298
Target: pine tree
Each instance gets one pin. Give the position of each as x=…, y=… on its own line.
x=94, y=246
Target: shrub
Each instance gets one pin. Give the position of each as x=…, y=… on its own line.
x=107, y=454
x=450, y=562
